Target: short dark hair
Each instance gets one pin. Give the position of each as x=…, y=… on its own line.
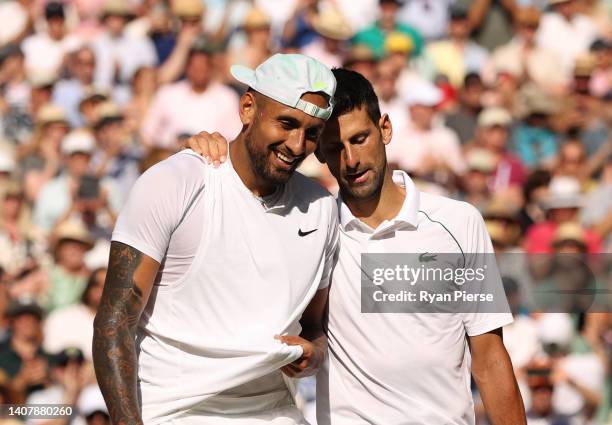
x=54, y=10
x=354, y=91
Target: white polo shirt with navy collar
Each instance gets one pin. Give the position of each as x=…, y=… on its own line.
x=401, y=368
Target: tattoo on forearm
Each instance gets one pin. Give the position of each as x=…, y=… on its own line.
x=114, y=349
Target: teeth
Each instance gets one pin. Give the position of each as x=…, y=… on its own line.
x=285, y=158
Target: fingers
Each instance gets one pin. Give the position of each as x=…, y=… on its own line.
x=213, y=147
x=214, y=151
x=222, y=146
x=199, y=144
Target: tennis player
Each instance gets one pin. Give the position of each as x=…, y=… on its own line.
x=217, y=277
x=392, y=369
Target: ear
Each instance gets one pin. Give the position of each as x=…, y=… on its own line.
x=386, y=128
x=247, y=108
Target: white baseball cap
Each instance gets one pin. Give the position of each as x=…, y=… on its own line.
x=286, y=77
x=78, y=141
x=91, y=401
x=422, y=93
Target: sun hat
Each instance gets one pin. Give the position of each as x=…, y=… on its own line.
x=286, y=77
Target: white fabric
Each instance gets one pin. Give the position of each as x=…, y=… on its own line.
x=79, y=320
x=44, y=56
x=401, y=368
x=13, y=20
x=566, y=39
x=177, y=109
x=234, y=273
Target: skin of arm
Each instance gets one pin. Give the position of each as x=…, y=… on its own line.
x=312, y=339
x=129, y=281
x=492, y=371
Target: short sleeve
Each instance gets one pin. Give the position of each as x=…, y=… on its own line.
x=480, y=255
x=157, y=202
x=332, y=246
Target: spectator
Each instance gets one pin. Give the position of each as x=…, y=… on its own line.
x=493, y=135
x=361, y=59
x=118, y=54
x=601, y=81
x=68, y=376
x=45, y=52
x=144, y=86
x=562, y=205
x=92, y=407
x=542, y=389
x=334, y=31
x=257, y=27
x=490, y=21
x=116, y=157
x=475, y=182
x=67, y=194
x=299, y=30
x=457, y=55
x=566, y=32
x=525, y=59
x=463, y=120
x=423, y=148
x=68, y=274
x=428, y=17
x=77, y=317
x=22, y=358
x=374, y=36
x=189, y=106
x=389, y=98
x=69, y=92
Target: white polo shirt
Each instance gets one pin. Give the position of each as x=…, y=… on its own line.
x=235, y=271
x=401, y=368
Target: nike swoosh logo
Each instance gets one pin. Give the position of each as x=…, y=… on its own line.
x=300, y=233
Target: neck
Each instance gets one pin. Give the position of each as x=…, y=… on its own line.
x=200, y=88
x=241, y=161
x=384, y=205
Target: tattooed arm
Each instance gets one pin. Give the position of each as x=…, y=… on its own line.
x=128, y=284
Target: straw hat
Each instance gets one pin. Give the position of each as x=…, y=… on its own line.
x=331, y=24
x=73, y=230
x=255, y=19
x=50, y=113
x=187, y=8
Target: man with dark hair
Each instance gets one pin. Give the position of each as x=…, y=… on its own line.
x=208, y=265
x=400, y=368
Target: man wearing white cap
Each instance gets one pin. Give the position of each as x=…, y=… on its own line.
x=423, y=146
x=208, y=265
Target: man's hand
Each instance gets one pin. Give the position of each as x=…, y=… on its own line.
x=311, y=360
x=213, y=147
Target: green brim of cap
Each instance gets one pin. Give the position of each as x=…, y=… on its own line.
x=247, y=76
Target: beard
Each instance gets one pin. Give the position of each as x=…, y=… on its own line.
x=368, y=191
x=260, y=162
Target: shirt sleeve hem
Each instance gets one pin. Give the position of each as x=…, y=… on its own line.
x=490, y=324
x=141, y=246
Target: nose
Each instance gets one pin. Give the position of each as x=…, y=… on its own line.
x=296, y=143
x=351, y=159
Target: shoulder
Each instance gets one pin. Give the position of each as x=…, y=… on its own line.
x=447, y=211
x=307, y=190
x=179, y=172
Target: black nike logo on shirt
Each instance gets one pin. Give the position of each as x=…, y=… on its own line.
x=306, y=233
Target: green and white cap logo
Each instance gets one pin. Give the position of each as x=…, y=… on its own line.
x=285, y=78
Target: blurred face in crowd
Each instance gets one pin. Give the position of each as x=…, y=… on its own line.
x=494, y=138
x=386, y=80
x=571, y=159
x=459, y=28
x=199, y=71
x=27, y=326
x=145, y=80
x=259, y=36
x=388, y=12
x=98, y=418
x=115, y=24
x=541, y=400
x=278, y=137
x=54, y=133
x=567, y=9
x=353, y=147
x=78, y=164
x=40, y=96
x=111, y=136
x=562, y=215
x=12, y=66
x=70, y=254
x=471, y=95
x=94, y=290
x=84, y=65
x=475, y=182
x=11, y=206
x=527, y=32
x=422, y=116
x=55, y=27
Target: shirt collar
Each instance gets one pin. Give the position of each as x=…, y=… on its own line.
x=406, y=215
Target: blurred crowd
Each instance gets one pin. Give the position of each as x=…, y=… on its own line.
x=506, y=104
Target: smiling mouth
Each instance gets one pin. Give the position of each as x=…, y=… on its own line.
x=289, y=160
